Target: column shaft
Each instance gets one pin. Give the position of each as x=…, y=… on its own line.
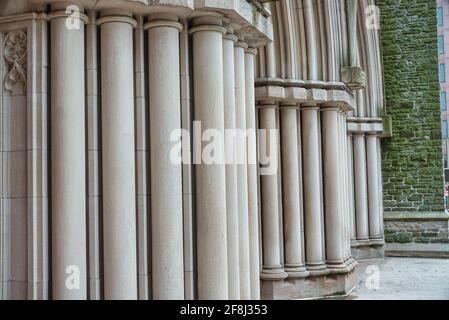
x=293, y=239
x=236, y=224
x=68, y=164
x=272, y=268
x=345, y=190
x=361, y=197
x=119, y=191
x=253, y=201
x=210, y=178
x=242, y=169
x=166, y=175
x=375, y=231
x=350, y=160
x=333, y=201
x=313, y=218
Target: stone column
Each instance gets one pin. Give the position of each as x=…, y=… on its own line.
x=293, y=238
x=68, y=159
x=119, y=191
x=375, y=231
x=333, y=201
x=242, y=171
x=313, y=218
x=272, y=268
x=343, y=190
x=351, y=9
x=380, y=177
x=166, y=174
x=210, y=178
x=360, y=186
x=346, y=191
x=237, y=225
x=253, y=207
x=311, y=39
x=350, y=159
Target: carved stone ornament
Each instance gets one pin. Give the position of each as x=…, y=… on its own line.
x=15, y=53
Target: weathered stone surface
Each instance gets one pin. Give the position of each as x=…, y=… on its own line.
x=405, y=279
x=412, y=157
x=354, y=77
x=327, y=286
x=416, y=231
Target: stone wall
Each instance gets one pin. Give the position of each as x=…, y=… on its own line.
x=418, y=228
x=412, y=158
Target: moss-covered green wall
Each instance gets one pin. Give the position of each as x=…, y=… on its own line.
x=412, y=159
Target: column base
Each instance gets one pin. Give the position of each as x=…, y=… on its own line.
x=338, y=268
x=352, y=263
x=368, y=250
x=335, y=285
x=273, y=274
x=296, y=272
x=317, y=270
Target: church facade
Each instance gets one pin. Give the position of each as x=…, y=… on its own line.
x=93, y=205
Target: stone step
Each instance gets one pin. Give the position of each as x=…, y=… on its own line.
x=418, y=250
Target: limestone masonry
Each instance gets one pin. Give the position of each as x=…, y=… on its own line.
x=93, y=97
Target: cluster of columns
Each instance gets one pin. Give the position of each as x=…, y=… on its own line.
x=68, y=167
x=367, y=217
x=227, y=195
x=326, y=192
x=227, y=211
x=306, y=222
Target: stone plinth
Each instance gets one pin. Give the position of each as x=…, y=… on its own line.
x=368, y=251
x=416, y=227
x=309, y=288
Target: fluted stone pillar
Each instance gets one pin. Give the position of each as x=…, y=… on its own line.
x=119, y=191
x=293, y=238
x=272, y=267
x=375, y=229
x=166, y=175
x=360, y=187
x=237, y=225
x=333, y=201
x=210, y=178
x=253, y=207
x=313, y=218
x=68, y=159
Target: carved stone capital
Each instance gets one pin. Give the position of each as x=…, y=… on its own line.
x=15, y=54
x=353, y=77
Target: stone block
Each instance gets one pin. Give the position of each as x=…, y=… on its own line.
x=416, y=227
x=410, y=61
x=338, y=285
